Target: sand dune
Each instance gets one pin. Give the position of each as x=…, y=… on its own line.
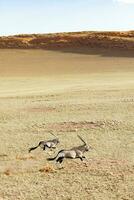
x=43, y=63
x=66, y=53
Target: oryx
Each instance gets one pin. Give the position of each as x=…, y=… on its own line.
x=51, y=144
x=73, y=153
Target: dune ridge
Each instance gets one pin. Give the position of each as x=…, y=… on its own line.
x=92, y=39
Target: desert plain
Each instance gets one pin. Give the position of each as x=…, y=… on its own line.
x=90, y=93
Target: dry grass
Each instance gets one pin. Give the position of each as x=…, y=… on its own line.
x=97, y=106
x=27, y=157
x=47, y=169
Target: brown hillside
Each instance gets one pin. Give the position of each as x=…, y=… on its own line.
x=118, y=40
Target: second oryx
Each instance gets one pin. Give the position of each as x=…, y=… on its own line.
x=51, y=144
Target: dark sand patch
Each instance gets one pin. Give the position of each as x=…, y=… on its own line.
x=75, y=126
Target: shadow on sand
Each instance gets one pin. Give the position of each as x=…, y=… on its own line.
x=103, y=52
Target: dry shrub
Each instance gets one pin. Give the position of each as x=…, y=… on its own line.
x=3, y=155
x=29, y=157
x=40, y=109
x=7, y=172
x=47, y=169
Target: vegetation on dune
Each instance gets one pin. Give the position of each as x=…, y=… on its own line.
x=124, y=40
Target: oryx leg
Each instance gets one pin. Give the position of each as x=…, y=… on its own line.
x=44, y=148
x=53, y=148
x=85, y=161
x=81, y=158
x=60, y=160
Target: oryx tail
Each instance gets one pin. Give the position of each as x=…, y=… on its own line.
x=33, y=148
x=50, y=159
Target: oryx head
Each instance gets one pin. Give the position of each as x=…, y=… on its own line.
x=87, y=147
x=58, y=141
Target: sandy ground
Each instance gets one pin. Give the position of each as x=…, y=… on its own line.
x=97, y=99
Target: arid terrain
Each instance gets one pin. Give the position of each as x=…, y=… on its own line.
x=90, y=90
x=89, y=39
